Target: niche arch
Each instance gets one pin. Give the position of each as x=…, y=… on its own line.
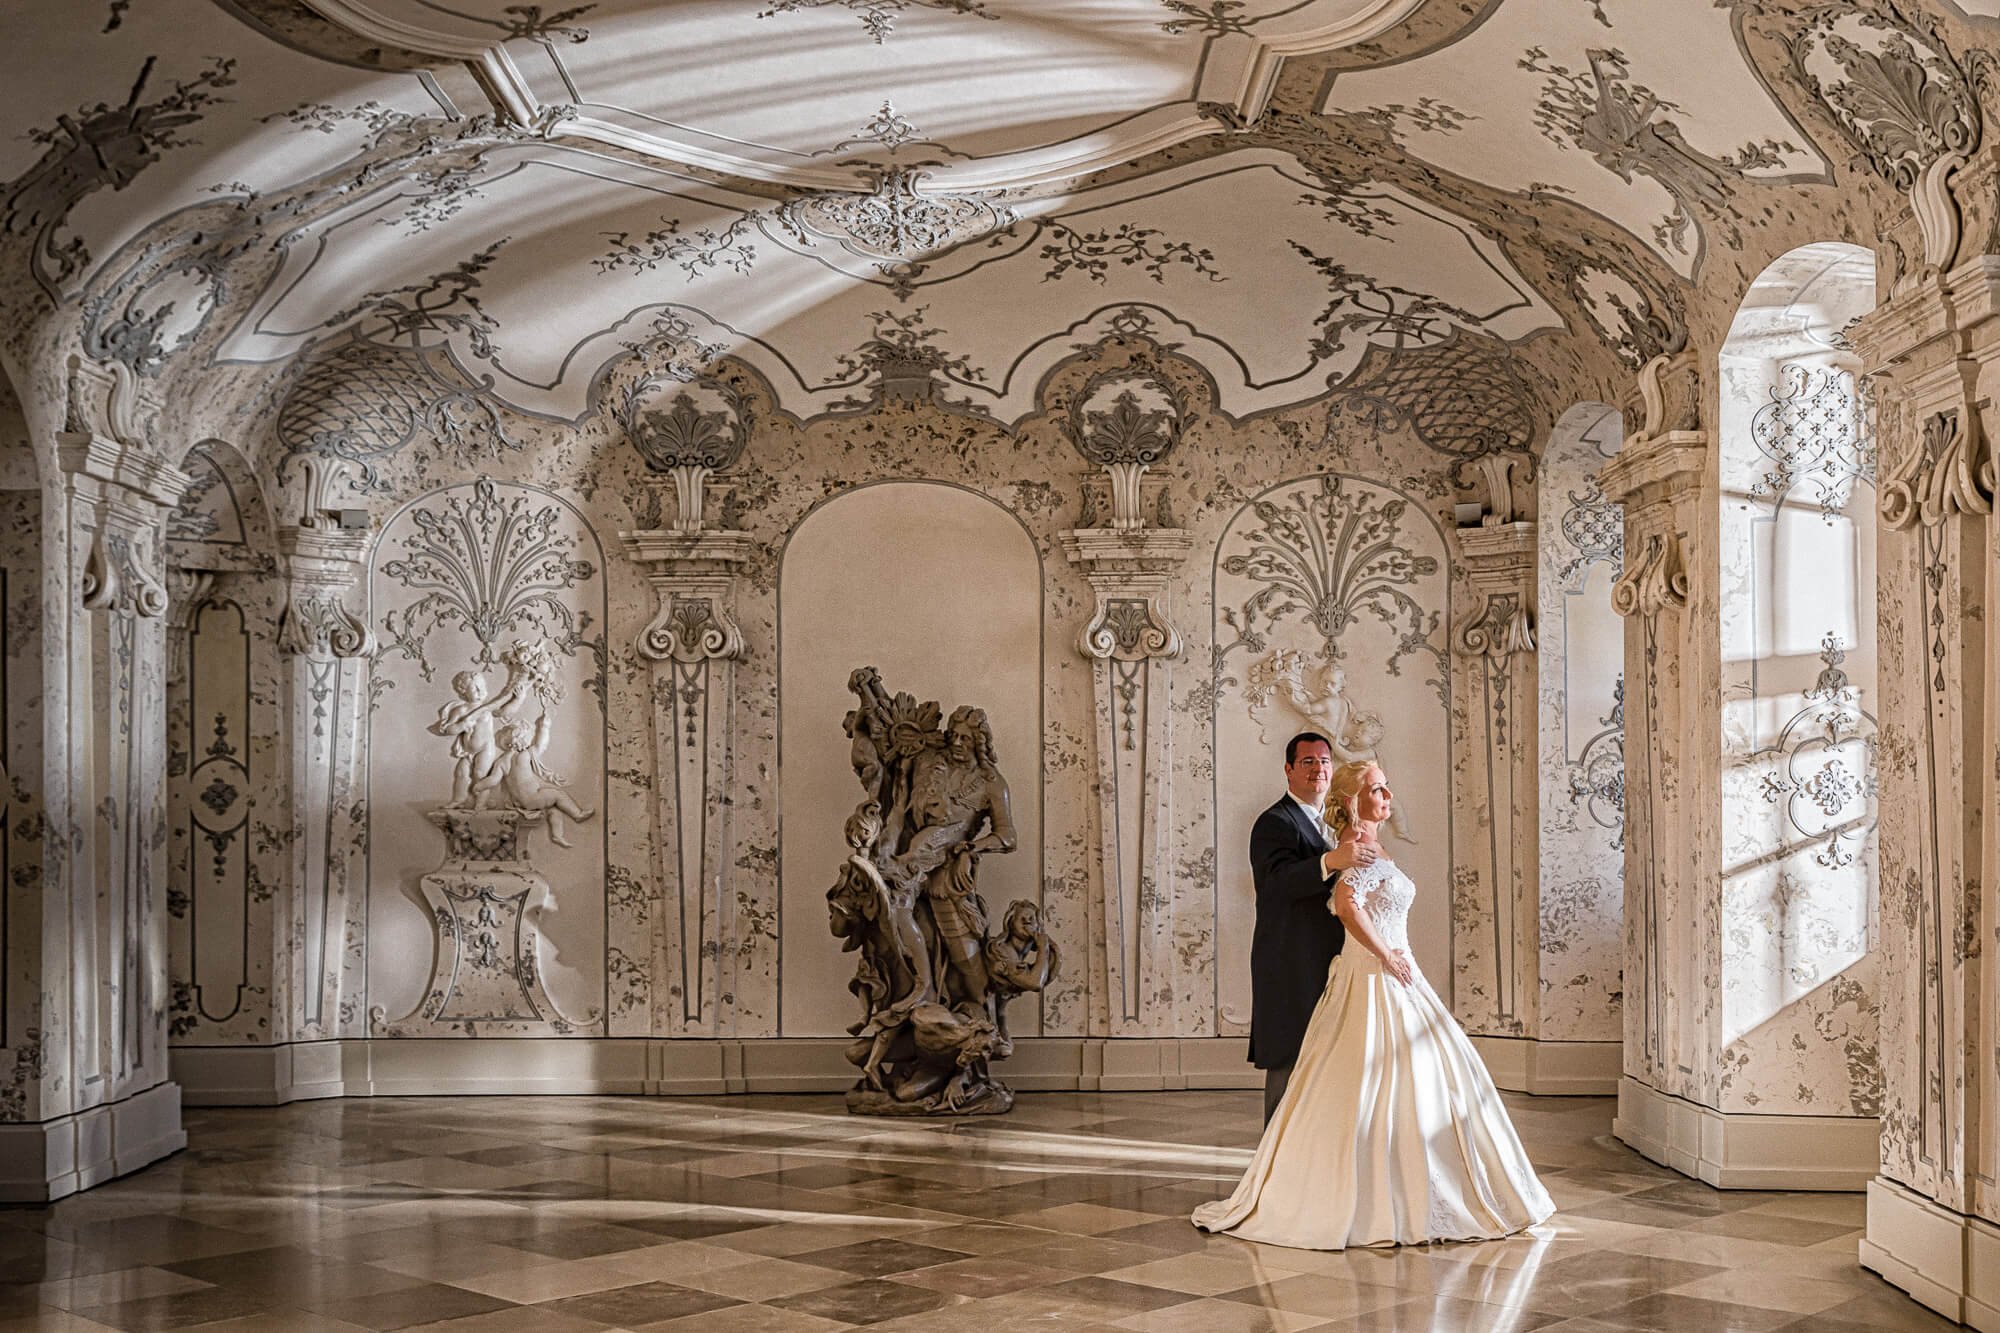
x=1331, y=602
x=878, y=575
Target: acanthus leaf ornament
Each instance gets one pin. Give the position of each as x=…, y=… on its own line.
x=318, y=624
x=1504, y=626
x=1950, y=474
x=691, y=630
x=1129, y=629
x=1654, y=582
x=1891, y=83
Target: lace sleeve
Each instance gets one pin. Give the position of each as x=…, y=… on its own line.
x=1362, y=882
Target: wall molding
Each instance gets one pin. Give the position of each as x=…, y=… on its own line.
x=1553, y=1068
x=664, y=1067
x=50, y=1159
x=1941, y=1257
x=1748, y=1152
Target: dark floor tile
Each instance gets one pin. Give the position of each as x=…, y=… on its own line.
x=983, y=1276
x=290, y=1276
x=1587, y=1284
x=871, y=1301
x=645, y=1303
x=582, y=1240
x=1173, y=1235
x=425, y=1304
x=1432, y=1314
x=184, y=1309
x=1668, y=1313
x=879, y=1258
x=693, y=1226
x=1128, y=1298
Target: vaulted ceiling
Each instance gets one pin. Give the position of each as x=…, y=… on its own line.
x=1291, y=192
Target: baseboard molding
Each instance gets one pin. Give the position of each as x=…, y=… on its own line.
x=1553, y=1068
x=1941, y=1257
x=1748, y=1152
x=51, y=1159
x=641, y=1066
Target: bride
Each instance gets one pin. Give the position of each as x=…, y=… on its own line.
x=1390, y=1132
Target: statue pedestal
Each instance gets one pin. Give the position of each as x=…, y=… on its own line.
x=485, y=901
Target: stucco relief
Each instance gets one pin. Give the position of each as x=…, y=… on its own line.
x=1582, y=731
x=469, y=578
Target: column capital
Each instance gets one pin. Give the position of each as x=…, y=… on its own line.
x=694, y=575
x=1128, y=569
x=1499, y=563
x=321, y=565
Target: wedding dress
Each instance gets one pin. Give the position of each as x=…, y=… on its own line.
x=1390, y=1132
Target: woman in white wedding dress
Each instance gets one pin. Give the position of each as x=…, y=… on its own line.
x=1390, y=1132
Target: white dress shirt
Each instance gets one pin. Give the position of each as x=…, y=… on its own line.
x=1318, y=821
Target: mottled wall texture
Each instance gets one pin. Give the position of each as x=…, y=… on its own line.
x=459, y=406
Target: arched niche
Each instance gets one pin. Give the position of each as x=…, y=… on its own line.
x=459, y=576
x=1580, y=644
x=941, y=588
x=1332, y=606
x=1797, y=552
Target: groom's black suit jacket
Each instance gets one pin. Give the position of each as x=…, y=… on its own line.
x=1296, y=936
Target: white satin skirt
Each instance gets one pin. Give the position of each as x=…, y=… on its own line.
x=1390, y=1131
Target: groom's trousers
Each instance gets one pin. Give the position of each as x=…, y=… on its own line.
x=1274, y=1089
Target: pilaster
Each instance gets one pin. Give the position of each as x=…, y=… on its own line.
x=323, y=922
x=691, y=645
x=1664, y=477
x=1495, y=787
x=1132, y=643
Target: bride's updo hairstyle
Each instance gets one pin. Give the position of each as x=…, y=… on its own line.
x=1343, y=792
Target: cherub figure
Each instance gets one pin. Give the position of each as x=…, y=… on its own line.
x=528, y=785
x=1353, y=733
x=470, y=721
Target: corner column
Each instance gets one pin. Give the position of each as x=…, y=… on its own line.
x=1933, y=1228
x=94, y=1100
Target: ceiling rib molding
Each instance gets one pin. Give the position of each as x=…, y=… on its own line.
x=1237, y=69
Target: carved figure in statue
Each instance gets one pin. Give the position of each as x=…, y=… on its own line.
x=497, y=750
x=1020, y=959
x=525, y=781
x=1354, y=733
x=907, y=900
x=469, y=721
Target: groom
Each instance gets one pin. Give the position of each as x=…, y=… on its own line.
x=1293, y=864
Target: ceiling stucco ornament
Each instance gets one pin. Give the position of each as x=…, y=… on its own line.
x=1911, y=107
x=1073, y=87
x=895, y=224
x=1465, y=395
x=1126, y=420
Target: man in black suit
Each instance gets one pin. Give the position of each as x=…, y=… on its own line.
x=1293, y=863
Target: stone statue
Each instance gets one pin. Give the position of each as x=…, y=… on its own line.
x=933, y=985
x=496, y=748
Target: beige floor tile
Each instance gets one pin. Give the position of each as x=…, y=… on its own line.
x=547, y=1281
x=1212, y=1316
x=1203, y=1274
x=1772, y=1291
x=752, y=1319
x=675, y=1261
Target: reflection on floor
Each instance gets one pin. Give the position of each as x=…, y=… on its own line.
x=785, y=1215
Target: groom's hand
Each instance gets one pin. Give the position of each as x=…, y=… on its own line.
x=1347, y=856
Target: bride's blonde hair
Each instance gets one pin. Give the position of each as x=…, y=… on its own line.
x=1343, y=792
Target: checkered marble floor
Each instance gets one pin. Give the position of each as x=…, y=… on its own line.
x=786, y=1215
